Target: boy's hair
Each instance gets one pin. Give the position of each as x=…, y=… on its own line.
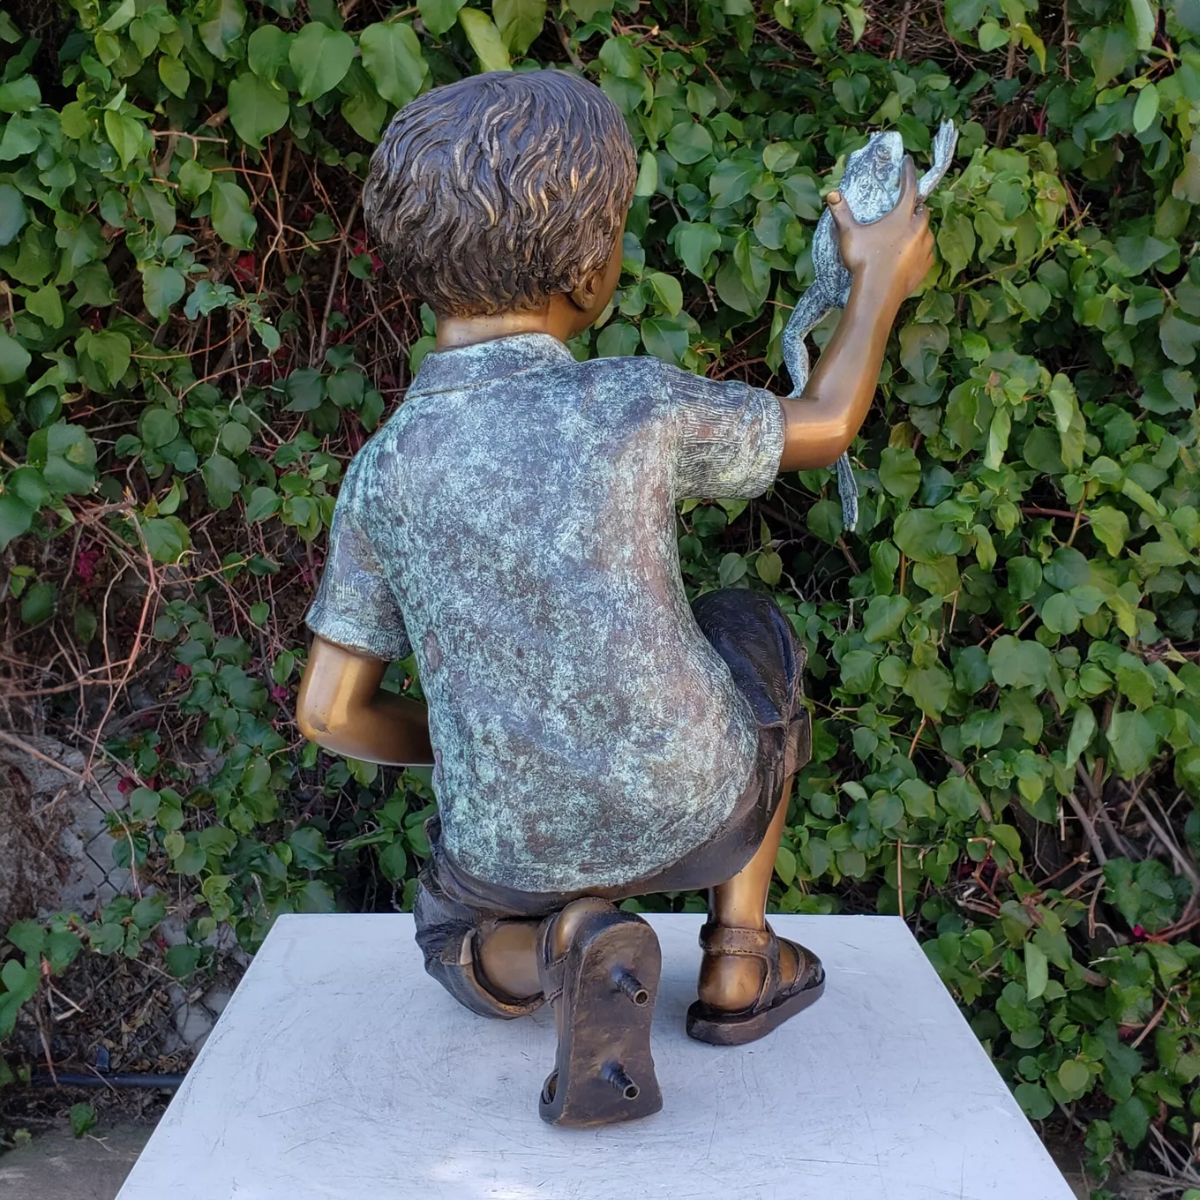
x=494, y=193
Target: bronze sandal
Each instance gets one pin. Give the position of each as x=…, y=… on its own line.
x=776, y=1002
x=603, y=991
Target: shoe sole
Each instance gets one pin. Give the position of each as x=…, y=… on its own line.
x=604, y=1071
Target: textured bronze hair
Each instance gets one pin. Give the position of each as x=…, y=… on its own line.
x=494, y=193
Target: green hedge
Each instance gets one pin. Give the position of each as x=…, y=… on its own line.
x=196, y=336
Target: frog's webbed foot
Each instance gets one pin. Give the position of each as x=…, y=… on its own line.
x=943, y=154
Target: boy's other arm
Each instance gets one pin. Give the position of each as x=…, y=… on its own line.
x=341, y=708
x=887, y=260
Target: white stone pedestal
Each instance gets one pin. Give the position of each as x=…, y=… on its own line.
x=340, y=1071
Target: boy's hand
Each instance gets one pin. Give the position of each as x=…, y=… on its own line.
x=891, y=255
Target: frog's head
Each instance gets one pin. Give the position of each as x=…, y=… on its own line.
x=881, y=161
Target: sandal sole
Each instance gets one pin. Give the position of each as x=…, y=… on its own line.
x=604, y=1073
x=718, y=1028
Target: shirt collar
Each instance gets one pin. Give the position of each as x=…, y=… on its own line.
x=466, y=366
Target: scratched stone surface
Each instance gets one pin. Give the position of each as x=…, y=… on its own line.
x=340, y=1071
x=514, y=523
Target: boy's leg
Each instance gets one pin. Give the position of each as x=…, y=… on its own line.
x=508, y=957
x=750, y=979
x=452, y=934
x=733, y=982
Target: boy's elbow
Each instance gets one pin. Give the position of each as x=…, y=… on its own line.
x=811, y=444
x=310, y=725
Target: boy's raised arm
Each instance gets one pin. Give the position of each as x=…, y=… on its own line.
x=887, y=261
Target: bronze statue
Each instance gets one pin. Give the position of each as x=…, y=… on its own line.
x=593, y=735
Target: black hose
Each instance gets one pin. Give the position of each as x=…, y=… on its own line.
x=65, y=1079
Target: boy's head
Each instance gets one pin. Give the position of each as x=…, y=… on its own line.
x=493, y=194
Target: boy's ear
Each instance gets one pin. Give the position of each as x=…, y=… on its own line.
x=584, y=296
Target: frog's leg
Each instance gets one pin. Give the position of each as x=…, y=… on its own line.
x=809, y=311
x=943, y=154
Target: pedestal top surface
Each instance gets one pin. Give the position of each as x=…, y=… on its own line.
x=339, y=1070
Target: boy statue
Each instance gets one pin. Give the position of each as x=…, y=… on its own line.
x=593, y=736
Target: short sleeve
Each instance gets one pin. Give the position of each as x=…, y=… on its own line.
x=355, y=606
x=730, y=437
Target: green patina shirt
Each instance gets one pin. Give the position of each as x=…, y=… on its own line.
x=513, y=525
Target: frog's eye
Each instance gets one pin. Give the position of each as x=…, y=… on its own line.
x=885, y=156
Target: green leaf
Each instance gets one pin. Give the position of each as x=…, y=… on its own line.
x=1178, y=338
x=769, y=567
x=126, y=136
x=1111, y=50
x=13, y=214
x=231, y=216
x=220, y=24
x=900, y=472
x=21, y=95
x=917, y=534
x=161, y=288
x=731, y=568
x=885, y=616
x=1131, y=1120
x=695, y=243
x=587, y=10
x=1110, y=526
x=959, y=797
x=665, y=338
x=930, y=687
x=111, y=352
x=1036, y=1102
x=519, y=22
x=158, y=427
x=222, y=479
x=732, y=180
x=14, y=359
x=174, y=75
x=668, y=291
x=28, y=937
x=647, y=180
x=257, y=108
x=1141, y=20
x=182, y=960
x=439, y=16
x=148, y=911
x=38, y=603
x=83, y=1118
x=165, y=540
x=1073, y=1075
x=485, y=40
x=391, y=55
x=1146, y=108
x=689, y=142
x=1037, y=970
x=1082, y=728
x=320, y=57
x=16, y=518
x=46, y=303
x=267, y=51
x=1133, y=740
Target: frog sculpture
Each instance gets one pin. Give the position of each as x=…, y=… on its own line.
x=871, y=186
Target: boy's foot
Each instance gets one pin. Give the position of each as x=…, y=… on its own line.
x=751, y=981
x=600, y=969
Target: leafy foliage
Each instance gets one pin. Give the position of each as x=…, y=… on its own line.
x=1003, y=657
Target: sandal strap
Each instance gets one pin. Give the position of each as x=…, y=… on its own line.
x=762, y=944
x=748, y=943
